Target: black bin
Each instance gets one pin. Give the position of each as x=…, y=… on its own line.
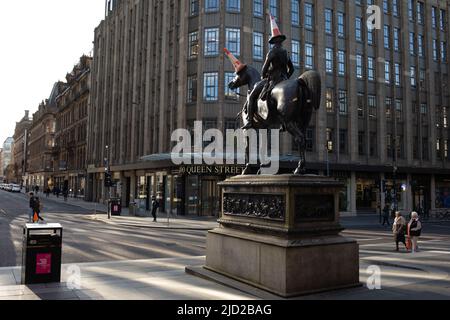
x=41, y=253
x=115, y=206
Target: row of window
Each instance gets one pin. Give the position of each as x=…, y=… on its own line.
x=210, y=87
x=416, y=12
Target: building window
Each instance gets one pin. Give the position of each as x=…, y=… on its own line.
x=360, y=103
x=273, y=6
x=211, y=42
x=330, y=140
x=399, y=109
x=386, y=6
x=359, y=66
x=386, y=37
x=442, y=20
x=371, y=69
x=309, y=15
x=420, y=46
x=329, y=60
x=341, y=63
x=343, y=103
x=413, y=77
x=328, y=21
x=258, y=8
x=361, y=143
x=372, y=105
x=341, y=24
x=193, y=45
x=211, y=86
x=420, y=12
x=434, y=17
x=370, y=36
x=211, y=5
x=411, y=10
x=388, y=103
x=329, y=100
x=295, y=12
x=443, y=51
x=387, y=72
x=193, y=7
x=310, y=140
x=373, y=144
x=395, y=8
x=230, y=94
x=258, y=46
x=343, y=141
x=234, y=5
x=192, y=89
x=435, y=50
x=423, y=109
x=396, y=39
x=358, y=29
x=412, y=50
x=397, y=70
x=233, y=41
x=295, y=53
x=309, y=56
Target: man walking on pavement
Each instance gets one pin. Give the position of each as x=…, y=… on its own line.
x=155, y=207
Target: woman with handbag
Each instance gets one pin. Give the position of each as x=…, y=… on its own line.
x=414, y=231
x=399, y=230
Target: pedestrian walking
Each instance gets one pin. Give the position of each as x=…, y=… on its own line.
x=155, y=207
x=47, y=193
x=65, y=194
x=414, y=231
x=386, y=212
x=36, y=189
x=399, y=230
x=31, y=207
x=37, y=208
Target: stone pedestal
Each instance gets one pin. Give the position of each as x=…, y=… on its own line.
x=282, y=234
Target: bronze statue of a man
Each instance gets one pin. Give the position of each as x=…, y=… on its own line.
x=278, y=67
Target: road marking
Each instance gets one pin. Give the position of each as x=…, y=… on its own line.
x=3, y=211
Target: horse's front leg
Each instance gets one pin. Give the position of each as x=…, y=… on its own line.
x=247, y=169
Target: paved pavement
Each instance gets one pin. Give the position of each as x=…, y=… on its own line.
x=130, y=258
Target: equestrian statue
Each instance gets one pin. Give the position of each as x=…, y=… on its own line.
x=274, y=101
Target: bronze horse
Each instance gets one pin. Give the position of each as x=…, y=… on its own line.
x=290, y=106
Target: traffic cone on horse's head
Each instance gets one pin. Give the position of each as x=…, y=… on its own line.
x=238, y=66
x=276, y=33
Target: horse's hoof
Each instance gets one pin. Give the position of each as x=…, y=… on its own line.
x=246, y=171
x=299, y=172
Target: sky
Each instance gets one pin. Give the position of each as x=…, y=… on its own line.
x=40, y=42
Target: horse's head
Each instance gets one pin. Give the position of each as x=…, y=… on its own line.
x=241, y=79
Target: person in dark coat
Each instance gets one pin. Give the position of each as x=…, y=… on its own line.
x=386, y=212
x=155, y=207
x=399, y=229
x=36, y=203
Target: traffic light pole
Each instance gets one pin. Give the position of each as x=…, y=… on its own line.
x=107, y=181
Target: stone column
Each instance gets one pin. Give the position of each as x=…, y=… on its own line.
x=409, y=195
x=353, y=209
x=433, y=193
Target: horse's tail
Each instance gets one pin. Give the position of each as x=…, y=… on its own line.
x=314, y=84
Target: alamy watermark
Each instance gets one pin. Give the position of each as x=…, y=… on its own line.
x=73, y=277
x=212, y=147
x=374, y=279
x=374, y=17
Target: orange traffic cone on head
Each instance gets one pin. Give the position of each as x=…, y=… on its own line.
x=238, y=66
x=277, y=36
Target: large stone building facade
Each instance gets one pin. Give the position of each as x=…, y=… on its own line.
x=42, y=142
x=71, y=127
x=20, y=150
x=158, y=66
x=6, y=159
